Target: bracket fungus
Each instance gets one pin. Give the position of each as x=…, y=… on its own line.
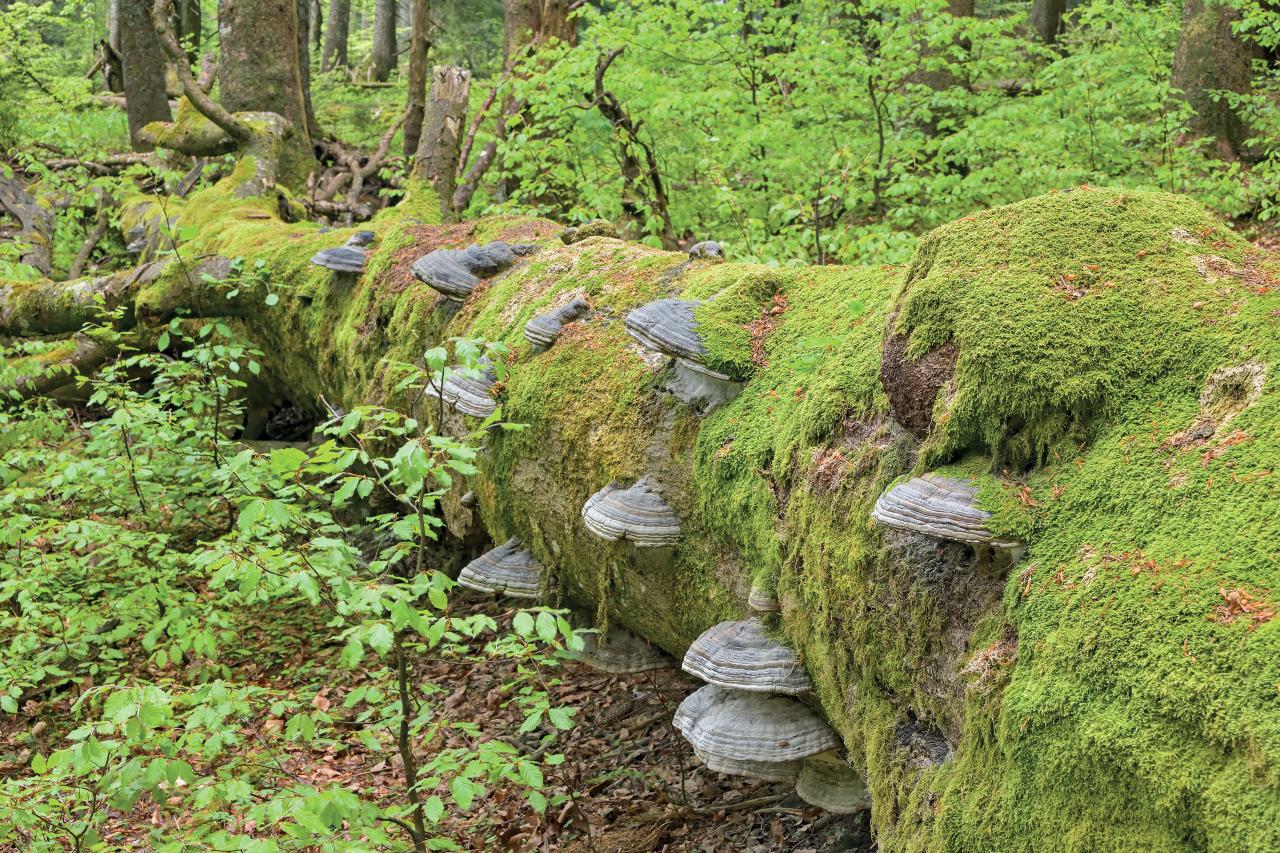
x=707, y=249
x=667, y=326
x=763, y=599
x=768, y=771
x=831, y=784
x=752, y=727
x=350, y=257
x=740, y=656
x=543, y=329
x=455, y=272
x=508, y=569
x=940, y=508
x=470, y=395
x=637, y=514
x=620, y=651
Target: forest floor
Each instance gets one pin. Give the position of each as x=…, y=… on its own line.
x=633, y=784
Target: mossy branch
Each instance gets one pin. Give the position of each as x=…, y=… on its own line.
x=199, y=98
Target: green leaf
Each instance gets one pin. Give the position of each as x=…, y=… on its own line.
x=561, y=718
x=546, y=627
x=287, y=459
x=380, y=637
x=523, y=623
x=463, y=792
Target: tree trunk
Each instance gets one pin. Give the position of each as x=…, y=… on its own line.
x=384, y=39
x=261, y=71
x=526, y=26
x=189, y=27
x=1046, y=18
x=111, y=49
x=419, y=48
x=316, y=23
x=335, y=37
x=146, y=96
x=436, y=160
x=305, y=8
x=1210, y=57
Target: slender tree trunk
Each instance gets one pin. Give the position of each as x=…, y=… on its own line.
x=384, y=39
x=419, y=48
x=316, y=23
x=335, y=37
x=1046, y=18
x=436, y=160
x=1210, y=57
x=189, y=27
x=526, y=26
x=146, y=96
x=304, y=65
x=111, y=49
x=260, y=70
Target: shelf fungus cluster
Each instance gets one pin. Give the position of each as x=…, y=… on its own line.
x=747, y=720
x=637, y=514
x=543, y=329
x=467, y=392
x=942, y=508
x=454, y=273
x=350, y=257
x=620, y=651
x=508, y=569
x=667, y=326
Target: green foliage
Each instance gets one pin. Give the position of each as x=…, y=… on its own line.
x=136, y=546
x=838, y=130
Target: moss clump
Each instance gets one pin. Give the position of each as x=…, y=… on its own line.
x=735, y=318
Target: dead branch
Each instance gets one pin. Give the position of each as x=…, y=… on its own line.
x=35, y=221
x=100, y=223
x=199, y=98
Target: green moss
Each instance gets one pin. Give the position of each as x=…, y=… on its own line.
x=1105, y=695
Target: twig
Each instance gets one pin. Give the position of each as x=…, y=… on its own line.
x=100, y=223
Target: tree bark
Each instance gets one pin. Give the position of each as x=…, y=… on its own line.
x=316, y=24
x=335, y=37
x=419, y=48
x=436, y=160
x=1046, y=18
x=261, y=71
x=384, y=39
x=1211, y=57
x=111, y=49
x=146, y=97
x=528, y=24
x=35, y=222
x=305, y=9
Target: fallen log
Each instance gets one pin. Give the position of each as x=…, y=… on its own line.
x=1088, y=368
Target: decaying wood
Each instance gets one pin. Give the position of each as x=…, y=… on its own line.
x=35, y=221
x=436, y=160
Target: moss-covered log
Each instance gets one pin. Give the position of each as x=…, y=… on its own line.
x=1099, y=362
